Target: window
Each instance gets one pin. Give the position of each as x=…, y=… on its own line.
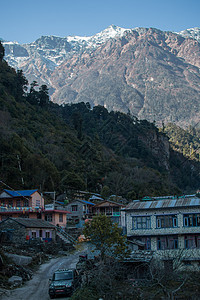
x=141, y=222
x=167, y=242
x=18, y=203
x=192, y=241
x=74, y=207
x=47, y=235
x=146, y=241
x=48, y=217
x=37, y=202
x=166, y=221
x=191, y=220
x=10, y=203
x=60, y=217
x=26, y=204
x=33, y=234
x=108, y=211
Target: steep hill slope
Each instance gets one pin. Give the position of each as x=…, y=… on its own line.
x=54, y=147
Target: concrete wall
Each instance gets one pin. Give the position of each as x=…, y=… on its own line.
x=56, y=219
x=79, y=212
x=37, y=199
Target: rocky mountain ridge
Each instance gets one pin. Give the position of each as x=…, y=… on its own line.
x=151, y=73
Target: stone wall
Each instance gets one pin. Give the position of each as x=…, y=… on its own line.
x=16, y=233
x=180, y=229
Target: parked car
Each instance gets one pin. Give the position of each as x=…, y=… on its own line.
x=64, y=282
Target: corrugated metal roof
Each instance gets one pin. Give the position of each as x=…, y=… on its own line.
x=23, y=193
x=166, y=203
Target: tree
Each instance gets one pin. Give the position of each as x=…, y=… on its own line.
x=107, y=237
x=43, y=95
x=21, y=85
x=2, y=51
x=32, y=96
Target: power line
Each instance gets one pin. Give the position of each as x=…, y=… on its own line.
x=14, y=190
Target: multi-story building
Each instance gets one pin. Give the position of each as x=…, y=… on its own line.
x=170, y=226
x=29, y=204
x=109, y=208
x=80, y=211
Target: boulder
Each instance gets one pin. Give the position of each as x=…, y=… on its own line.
x=15, y=280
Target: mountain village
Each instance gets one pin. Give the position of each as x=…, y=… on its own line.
x=157, y=228
x=138, y=243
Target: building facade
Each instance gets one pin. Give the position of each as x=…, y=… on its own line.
x=169, y=226
x=110, y=209
x=29, y=204
x=20, y=230
x=80, y=210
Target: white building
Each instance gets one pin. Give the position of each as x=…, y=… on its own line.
x=169, y=226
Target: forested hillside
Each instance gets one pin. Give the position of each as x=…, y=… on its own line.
x=51, y=147
x=186, y=141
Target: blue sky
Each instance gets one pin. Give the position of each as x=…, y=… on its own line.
x=25, y=21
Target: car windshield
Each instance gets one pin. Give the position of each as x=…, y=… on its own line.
x=63, y=275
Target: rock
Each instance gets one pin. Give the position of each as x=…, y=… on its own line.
x=15, y=280
x=19, y=259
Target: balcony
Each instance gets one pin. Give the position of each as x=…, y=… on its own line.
x=19, y=209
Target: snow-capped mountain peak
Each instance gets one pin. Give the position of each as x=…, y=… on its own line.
x=111, y=31
x=191, y=33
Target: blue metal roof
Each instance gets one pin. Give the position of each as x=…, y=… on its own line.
x=87, y=202
x=22, y=193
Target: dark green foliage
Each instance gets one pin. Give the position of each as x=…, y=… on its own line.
x=2, y=51
x=43, y=95
x=107, y=237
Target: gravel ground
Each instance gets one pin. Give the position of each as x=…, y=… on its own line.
x=37, y=287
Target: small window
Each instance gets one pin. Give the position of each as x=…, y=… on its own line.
x=158, y=223
x=74, y=207
x=37, y=202
x=48, y=217
x=174, y=222
x=33, y=234
x=159, y=244
x=175, y=244
x=10, y=203
x=60, y=217
x=185, y=221
x=47, y=234
x=26, y=204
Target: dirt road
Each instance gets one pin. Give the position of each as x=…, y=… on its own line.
x=37, y=287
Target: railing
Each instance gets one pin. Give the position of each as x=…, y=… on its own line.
x=65, y=234
x=19, y=209
x=116, y=214
x=112, y=214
